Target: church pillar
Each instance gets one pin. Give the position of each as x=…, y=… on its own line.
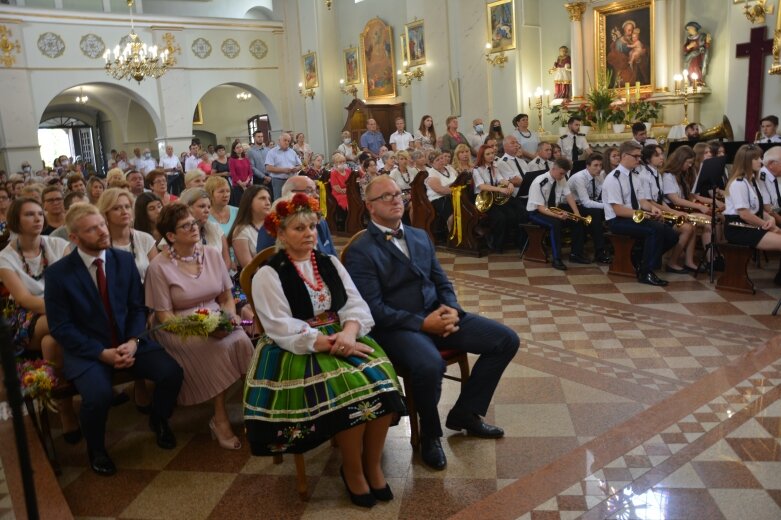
x=576, y=11
x=675, y=43
x=662, y=42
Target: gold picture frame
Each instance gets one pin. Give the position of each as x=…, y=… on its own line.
x=624, y=44
x=198, y=114
x=500, y=17
x=309, y=64
x=352, y=66
x=379, y=72
x=414, y=43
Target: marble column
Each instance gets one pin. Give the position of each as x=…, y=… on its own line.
x=663, y=45
x=576, y=10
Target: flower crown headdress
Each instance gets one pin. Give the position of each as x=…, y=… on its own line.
x=299, y=203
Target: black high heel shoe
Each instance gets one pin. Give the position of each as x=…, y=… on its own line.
x=385, y=494
x=366, y=500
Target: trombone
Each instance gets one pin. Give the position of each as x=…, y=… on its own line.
x=571, y=216
x=639, y=215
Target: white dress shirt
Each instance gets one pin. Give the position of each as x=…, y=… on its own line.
x=401, y=243
x=775, y=138
x=584, y=190
x=773, y=188
x=740, y=195
x=617, y=190
x=402, y=140
x=566, y=142
x=89, y=263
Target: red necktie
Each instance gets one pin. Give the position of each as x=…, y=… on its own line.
x=103, y=290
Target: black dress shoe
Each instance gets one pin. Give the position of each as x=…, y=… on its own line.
x=165, y=437
x=366, y=500
x=604, y=259
x=558, y=264
x=651, y=279
x=385, y=494
x=102, y=464
x=73, y=437
x=658, y=280
x=473, y=425
x=578, y=259
x=673, y=270
x=432, y=453
x=119, y=399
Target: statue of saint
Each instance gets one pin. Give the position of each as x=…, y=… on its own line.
x=696, y=51
x=562, y=74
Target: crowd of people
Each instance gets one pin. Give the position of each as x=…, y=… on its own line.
x=97, y=269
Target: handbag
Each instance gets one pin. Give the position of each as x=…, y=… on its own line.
x=22, y=322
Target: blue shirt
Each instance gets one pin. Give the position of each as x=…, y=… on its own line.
x=257, y=158
x=372, y=140
x=282, y=159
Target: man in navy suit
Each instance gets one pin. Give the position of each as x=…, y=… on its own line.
x=416, y=313
x=94, y=302
x=302, y=184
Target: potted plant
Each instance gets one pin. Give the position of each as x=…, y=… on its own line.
x=616, y=117
x=644, y=110
x=600, y=99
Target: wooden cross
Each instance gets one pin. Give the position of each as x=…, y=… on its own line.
x=756, y=50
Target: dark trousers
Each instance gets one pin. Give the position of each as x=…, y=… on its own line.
x=96, y=392
x=175, y=184
x=416, y=353
x=554, y=225
x=596, y=228
x=443, y=208
x=503, y=220
x=659, y=238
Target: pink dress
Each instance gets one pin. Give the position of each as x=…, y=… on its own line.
x=210, y=365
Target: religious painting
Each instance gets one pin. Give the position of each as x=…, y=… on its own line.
x=198, y=114
x=309, y=61
x=378, y=68
x=501, y=25
x=415, y=43
x=352, y=69
x=624, y=33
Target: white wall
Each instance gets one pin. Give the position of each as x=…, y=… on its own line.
x=225, y=116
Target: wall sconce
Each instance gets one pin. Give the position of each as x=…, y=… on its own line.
x=8, y=47
x=243, y=96
x=350, y=90
x=406, y=76
x=498, y=60
x=81, y=99
x=306, y=92
x=756, y=13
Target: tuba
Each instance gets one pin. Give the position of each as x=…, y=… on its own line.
x=722, y=131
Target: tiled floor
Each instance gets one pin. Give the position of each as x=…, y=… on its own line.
x=625, y=401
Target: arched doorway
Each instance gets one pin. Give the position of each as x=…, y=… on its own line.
x=111, y=117
x=233, y=111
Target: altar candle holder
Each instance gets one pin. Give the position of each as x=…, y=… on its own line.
x=538, y=105
x=682, y=86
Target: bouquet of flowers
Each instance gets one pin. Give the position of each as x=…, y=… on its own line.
x=202, y=322
x=37, y=380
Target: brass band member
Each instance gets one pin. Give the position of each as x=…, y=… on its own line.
x=488, y=177
x=550, y=190
x=622, y=194
x=586, y=187
x=744, y=206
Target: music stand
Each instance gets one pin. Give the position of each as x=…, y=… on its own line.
x=713, y=248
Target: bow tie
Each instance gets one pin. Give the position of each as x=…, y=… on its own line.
x=398, y=234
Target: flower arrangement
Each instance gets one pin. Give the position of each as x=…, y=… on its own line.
x=643, y=110
x=282, y=209
x=202, y=322
x=37, y=380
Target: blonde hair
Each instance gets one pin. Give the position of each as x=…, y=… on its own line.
x=455, y=163
x=192, y=175
x=109, y=198
x=77, y=212
x=338, y=157
x=192, y=195
x=114, y=174
x=213, y=183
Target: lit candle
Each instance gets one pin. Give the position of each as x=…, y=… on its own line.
x=547, y=97
x=677, y=79
x=637, y=86
x=341, y=81
x=530, y=102
x=300, y=85
x=628, y=95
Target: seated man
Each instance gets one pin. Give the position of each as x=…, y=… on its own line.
x=542, y=161
x=416, y=313
x=301, y=184
x=586, y=187
x=640, y=135
x=692, y=132
x=623, y=194
x=98, y=316
x=768, y=130
x=550, y=191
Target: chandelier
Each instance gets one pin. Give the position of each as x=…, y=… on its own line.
x=243, y=96
x=81, y=98
x=136, y=61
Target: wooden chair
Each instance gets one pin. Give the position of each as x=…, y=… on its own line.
x=622, y=264
x=330, y=205
x=355, y=206
x=735, y=276
x=245, y=280
x=422, y=213
x=534, y=250
x=469, y=218
x=450, y=357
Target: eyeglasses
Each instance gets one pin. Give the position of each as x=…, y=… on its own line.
x=636, y=156
x=53, y=199
x=188, y=226
x=388, y=197
x=308, y=191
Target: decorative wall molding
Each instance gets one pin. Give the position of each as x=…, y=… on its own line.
x=51, y=45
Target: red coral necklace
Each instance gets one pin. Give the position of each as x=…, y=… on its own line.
x=318, y=285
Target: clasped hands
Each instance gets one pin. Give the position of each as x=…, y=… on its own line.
x=342, y=344
x=120, y=357
x=442, y=322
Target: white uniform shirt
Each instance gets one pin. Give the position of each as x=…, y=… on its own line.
x=617, y=190
x=540, y=191
x=773, y=188
x=652, y=182
x=514, y=165
x=583, y=189
x=538, y=164
x=741, y=195
x=566, y=142
x=775, y=138
x=495, y=176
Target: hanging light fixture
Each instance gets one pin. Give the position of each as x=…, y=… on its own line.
x=81, y=98
x=136, y=61
x=243, y=96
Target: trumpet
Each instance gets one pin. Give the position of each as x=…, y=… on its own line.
x=639, y=215
x=571, y=216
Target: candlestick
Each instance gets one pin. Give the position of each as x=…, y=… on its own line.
x=637, y=87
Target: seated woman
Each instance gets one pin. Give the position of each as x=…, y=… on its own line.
x=746, y=222
x=316, y=324
x=194, y=179
x=74, y=182
x=348, y=148
x=677, y=188
x=186, y=277
x=367, y=173
x=403, y=174
x=222, y=213
x=116, y=205
x=502, y=218
x=440, y=176
x=157, y=183
x=95, y=188
x=388, y=163
x=243, y=235
x=23, y=263
x=146, y=212
x=338, y=180
x=211, y=234
x=316, y=170
x=5, y=203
